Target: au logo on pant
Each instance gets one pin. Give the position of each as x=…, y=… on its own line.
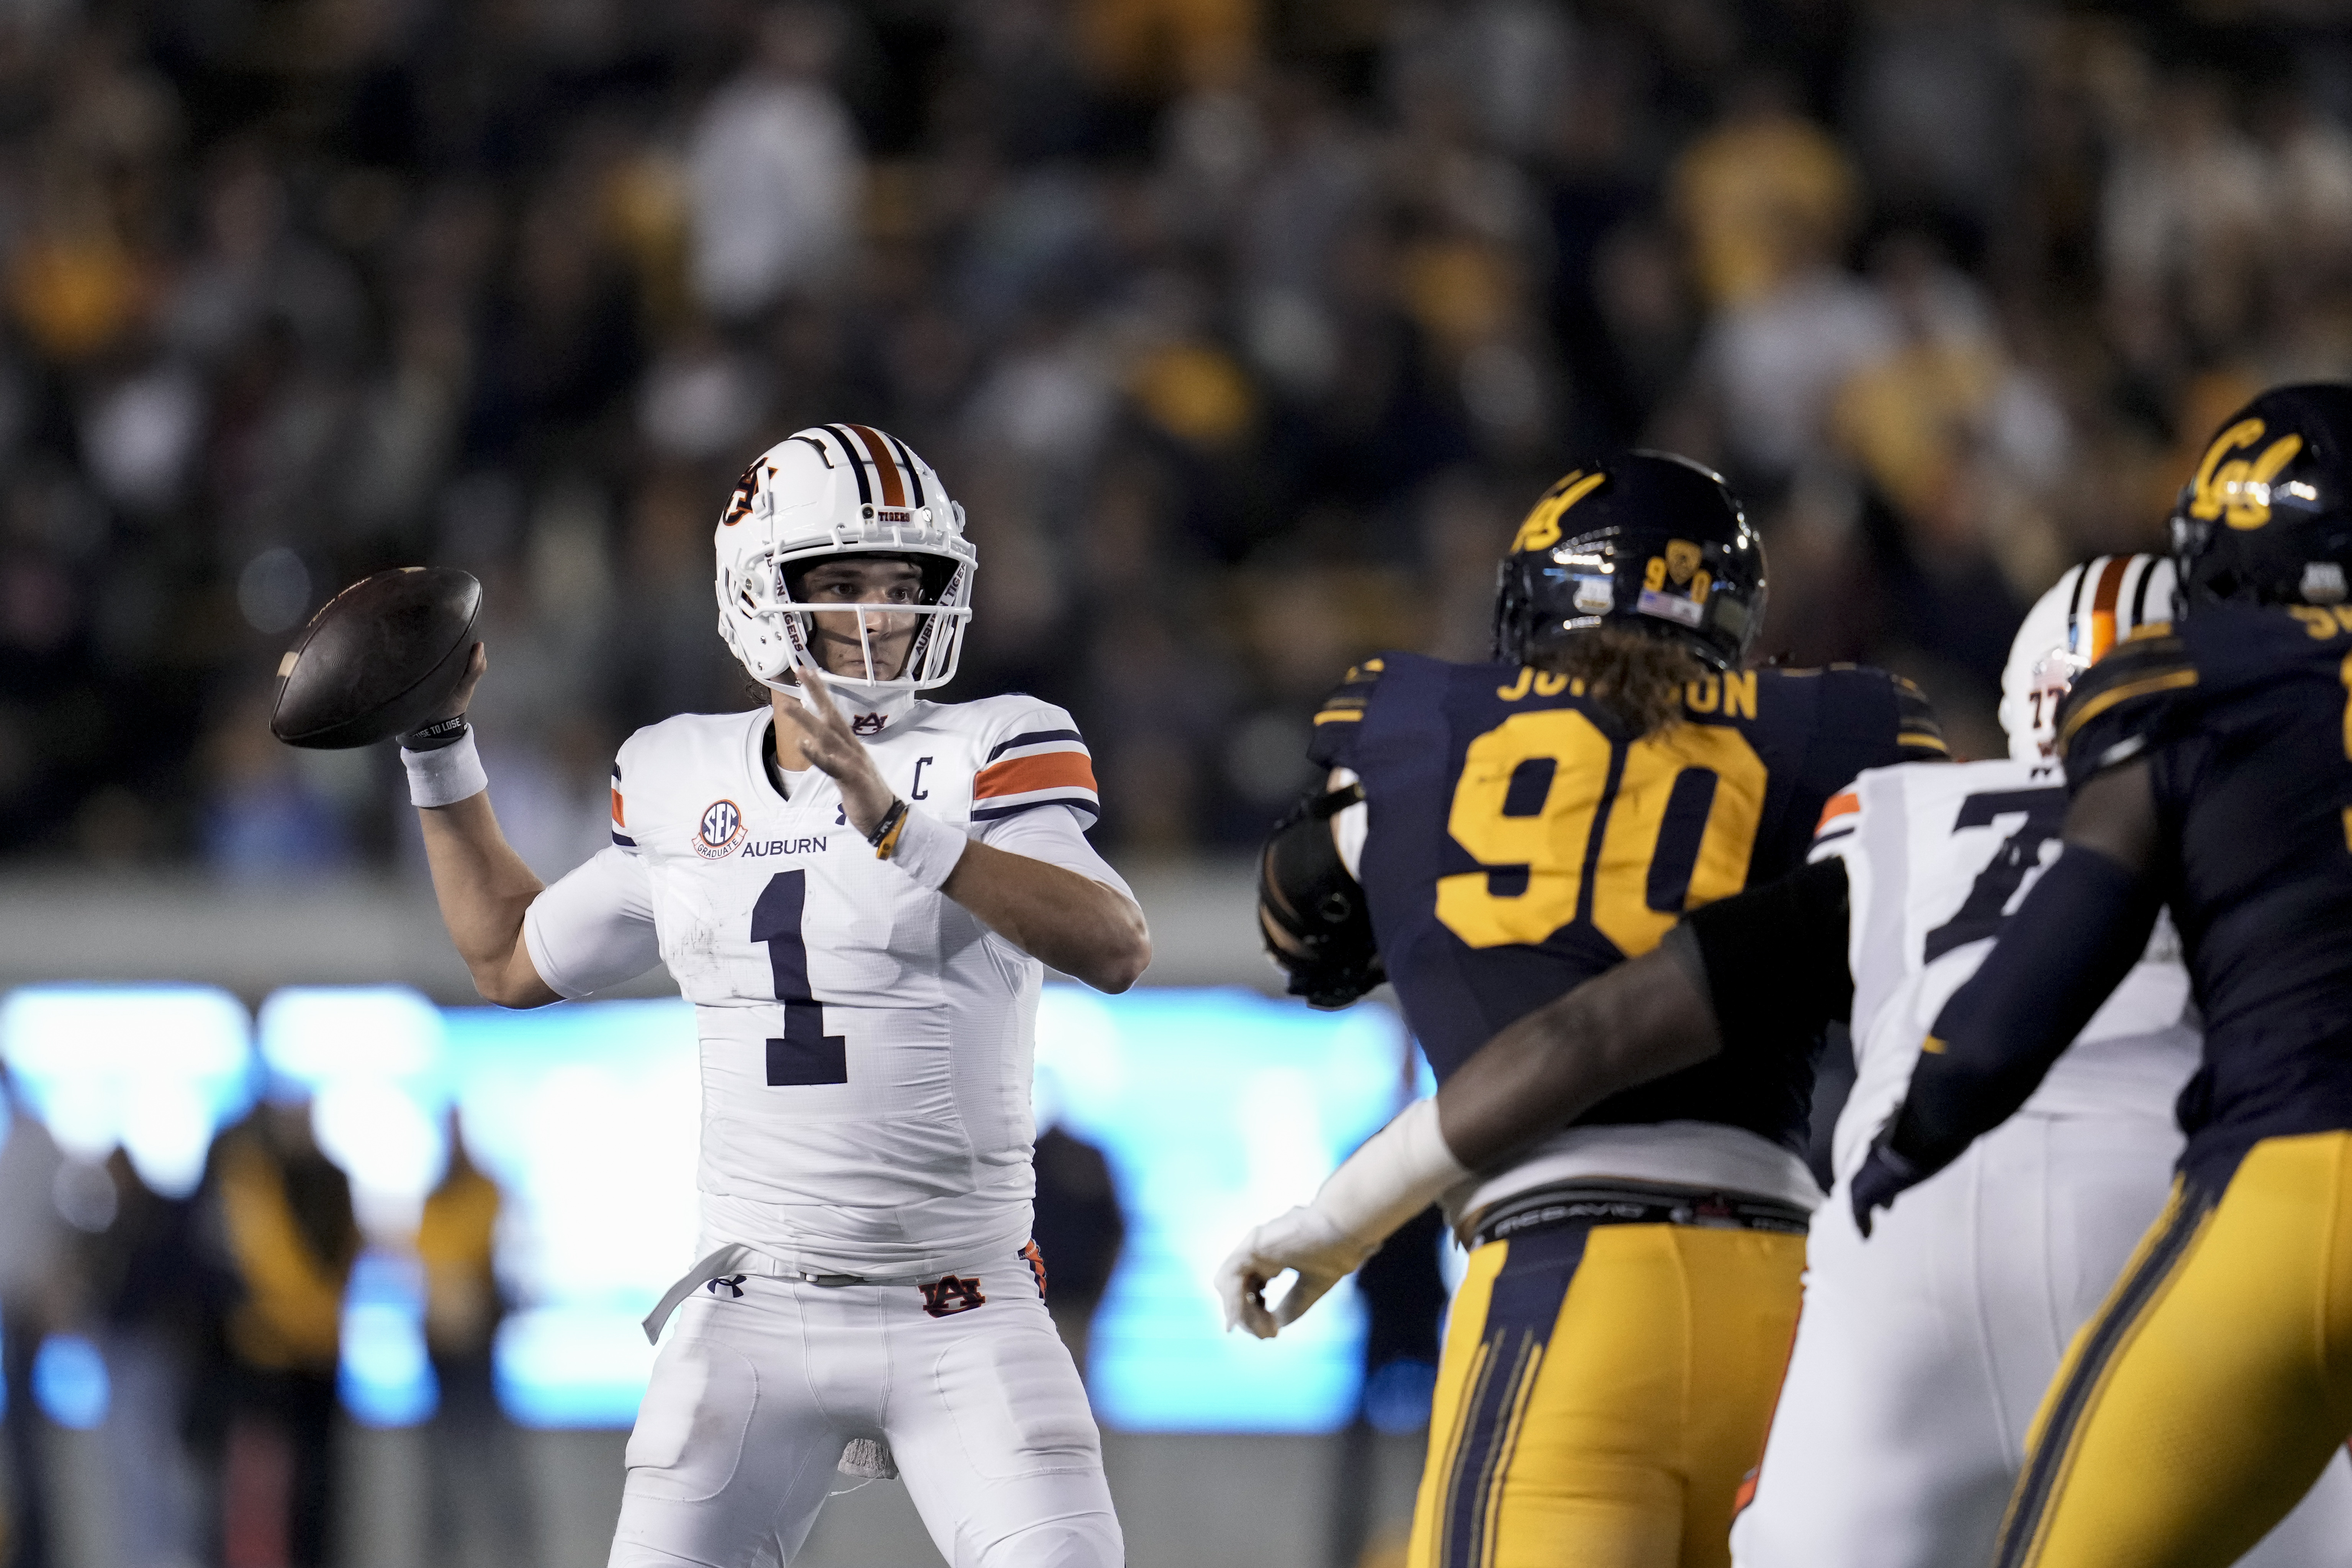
x=948, y=1295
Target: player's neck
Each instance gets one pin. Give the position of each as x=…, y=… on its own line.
x=786, y=782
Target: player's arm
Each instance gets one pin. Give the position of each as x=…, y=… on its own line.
x=483, y=886
x=1757, y=972
x=2078, y=933
x=525, y=944
x=1084, y=928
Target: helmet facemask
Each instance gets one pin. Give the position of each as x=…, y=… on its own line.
x=910, y=643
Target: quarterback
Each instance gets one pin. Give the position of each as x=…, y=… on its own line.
x=1504, y=831
x=858, y=890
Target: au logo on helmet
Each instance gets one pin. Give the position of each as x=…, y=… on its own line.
x=2238, y=493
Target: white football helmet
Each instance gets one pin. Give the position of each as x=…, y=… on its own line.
x=833, y=490
x=2089, y=610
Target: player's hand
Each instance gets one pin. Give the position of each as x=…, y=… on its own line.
x=826, y=739
x=1303, y=1240
x=1884, y=1175
x=461, y=698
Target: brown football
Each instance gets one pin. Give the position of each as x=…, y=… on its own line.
x=378, y=660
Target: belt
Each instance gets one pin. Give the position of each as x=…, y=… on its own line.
x=737, y=1258
x=1635, y=1203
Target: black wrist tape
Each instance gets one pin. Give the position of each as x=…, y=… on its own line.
x=433, y=736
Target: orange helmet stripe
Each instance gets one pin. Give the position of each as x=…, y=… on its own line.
x=2103, y=606
x=886, y=465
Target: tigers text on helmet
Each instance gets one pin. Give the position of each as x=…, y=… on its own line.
x=2267, y=517
x=844, y=490
x=2088, y=611
x=1647, y=541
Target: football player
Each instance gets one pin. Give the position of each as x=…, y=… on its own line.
x=1922, y=1356
x=1516, y=827
x=2211, y=770
x=855, y=887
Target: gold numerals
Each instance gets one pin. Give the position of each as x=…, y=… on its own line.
x=1622, y=792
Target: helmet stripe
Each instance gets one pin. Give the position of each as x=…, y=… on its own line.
x=2139, y=594
x=865, y=490
x=885, y=467
x=2103, y=604
x=2081, y=574
x=914, y=475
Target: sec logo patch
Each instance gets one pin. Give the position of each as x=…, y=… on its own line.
x=722, y=829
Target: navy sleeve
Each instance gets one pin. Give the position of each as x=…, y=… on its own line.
x=2129, y=702
x=1336, y=723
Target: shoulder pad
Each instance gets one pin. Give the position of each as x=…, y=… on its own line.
x=1352, y=695
x=1918, y=734
x=2124, y=703
x=1342, y=711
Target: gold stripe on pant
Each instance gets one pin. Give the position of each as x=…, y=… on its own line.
x=1602, y=1394
x=2213, y=1387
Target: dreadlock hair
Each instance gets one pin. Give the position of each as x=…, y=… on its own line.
x=1638, y=677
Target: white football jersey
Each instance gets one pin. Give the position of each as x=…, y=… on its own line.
x=865, y=1042
x=1936, y=857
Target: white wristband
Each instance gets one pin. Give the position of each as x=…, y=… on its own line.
x=1400, y=1170
x=445, y=776
x=928, y=850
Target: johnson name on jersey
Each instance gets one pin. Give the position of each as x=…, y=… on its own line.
x=865, y=1042
x=2241, y=712
x=1937, y=859
x=1520, y=843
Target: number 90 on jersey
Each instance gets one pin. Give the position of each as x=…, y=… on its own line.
x=1674, y=813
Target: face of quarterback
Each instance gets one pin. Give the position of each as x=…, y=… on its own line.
x=863, y=582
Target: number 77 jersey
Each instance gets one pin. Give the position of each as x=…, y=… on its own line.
x=1519, y=842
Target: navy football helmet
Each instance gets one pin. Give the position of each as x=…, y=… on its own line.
x=1647, y=541
x=2267, y=517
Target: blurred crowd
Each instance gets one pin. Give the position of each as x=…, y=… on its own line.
x=1244, y=329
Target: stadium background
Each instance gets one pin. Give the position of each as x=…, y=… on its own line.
x=1244, y=329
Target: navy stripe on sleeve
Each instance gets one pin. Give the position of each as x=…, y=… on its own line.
x=1035, y=738
x=1076, y=803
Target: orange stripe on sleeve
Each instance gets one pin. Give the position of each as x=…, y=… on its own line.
x=1020, y=775
x=1844, y=805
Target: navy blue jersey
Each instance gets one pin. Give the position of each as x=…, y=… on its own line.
x=2242, y=712
x=1520, y=844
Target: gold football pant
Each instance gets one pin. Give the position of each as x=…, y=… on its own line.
x=1604, y=1392
x=2215, y=1384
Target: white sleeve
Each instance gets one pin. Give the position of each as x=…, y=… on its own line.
x=1866, y=826
x=1054, y=836
x=593, y=929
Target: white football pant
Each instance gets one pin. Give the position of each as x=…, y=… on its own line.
x=753, y=1398
x=1923, y=1352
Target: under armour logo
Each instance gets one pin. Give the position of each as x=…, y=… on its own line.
x=733, y=1283
x=866, y=724
x=947, y=1296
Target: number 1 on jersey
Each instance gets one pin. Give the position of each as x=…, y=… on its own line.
x=806, y=1055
